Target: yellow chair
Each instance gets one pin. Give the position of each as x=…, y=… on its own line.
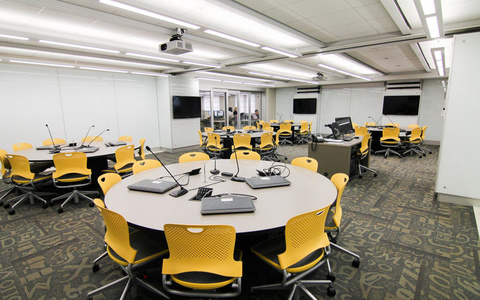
x=5, y=171
x=361, y=131
x=242, y=141
x=370, y=124
x=107, y=180
x=273, y=121
x=306, y=162
x=141, y=149
x=214, y=144
x=390, y=140
x=267, y=127
x=226, y=128
x=266, y=147
x=246, y=154
x=334, y=218
x=25, y=181
x=125, y=159
x=249, y=128
x=299, y=252
x=414, y=142
x=304, y=133
x=21, y=146
x=207, y=129
x=392, y=125
x=56, y=141
x=424, y=150
x=354, y=125
x=193, y=156
x=276, y=156
x=125, y=138
x=285, y=133
x=288, y=121
x=72, y=172
x=411, y=126
x=129, y=250
x=201, y=141
x=362, y=154
x=202, y=260
x=91, y=138
x=143, y=165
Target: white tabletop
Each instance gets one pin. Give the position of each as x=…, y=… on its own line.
x=274, y=206
x=44, y=155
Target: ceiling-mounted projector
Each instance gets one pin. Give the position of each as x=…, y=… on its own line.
x=176, y=45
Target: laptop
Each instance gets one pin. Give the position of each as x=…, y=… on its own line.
x=88, y=149
x=152, y=186
x=227, y=204
x=267, y=182
x=115, y=144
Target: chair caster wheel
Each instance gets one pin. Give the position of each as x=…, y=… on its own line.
x=91, y=204
x=60, y=210
x=356, y=263
x=331, y=277
x=360, y=176
x=45, y=206
x=96, y=268
x=6, y=205
x=331, y=291
x=375, y=175
x=333, y=240
x=11, y=212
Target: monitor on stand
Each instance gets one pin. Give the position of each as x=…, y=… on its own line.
x=344, y=125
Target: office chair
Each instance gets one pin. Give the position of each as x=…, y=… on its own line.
x=276, y=156
x=5, y=171
x=306, y=162
x=424, y=150
x=147, y=164
x=246, y=154
x=285, y=133
x=390, y=140
x=125, y=159
x=193, y=156
x=334, y=218
x=363, y=153
x=203, y=261
x=207, y=129
x=392, y=125
x=72, y=172
x=266, y=147
x=130, y=250
x=25, y=181
x=21, y=146
x=249, y=127
x=57, y=142
x=411, y=126
x=242, y=141
x=141, y=149
x=361, y=131
x=288, y=121
x=354, y=125
x=299, y=252
x=95, y=138
x=273, y=121
x=370, y=124
x=414, y=142
x=125, y=138
x=201, y=141
x=226, y=128
x=214, y=144
x=304, y=133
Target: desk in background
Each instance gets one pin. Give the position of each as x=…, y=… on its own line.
x=339, y=157
x=376, y=134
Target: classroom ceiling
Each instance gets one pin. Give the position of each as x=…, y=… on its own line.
x=324, y=42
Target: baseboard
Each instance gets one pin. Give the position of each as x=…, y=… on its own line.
x=458, y=200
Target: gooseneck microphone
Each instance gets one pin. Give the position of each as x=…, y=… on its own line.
x=215, y=171
x=56, y=149
x=83, y=141
x=108, y=129
x=376, y=122
x=236, y=178
x=390, y=120
x=182, y=191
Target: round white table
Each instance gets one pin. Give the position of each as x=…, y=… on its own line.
x=274, y=206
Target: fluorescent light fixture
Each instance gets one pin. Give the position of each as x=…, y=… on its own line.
x=438, y=55
x=79, y=46
x=103, y=70
x=343, y=72
x=151, y=57
x=40, y=63
x=235, y=76
x=232, y=81
x=209, y=79
x=428, y=7
x=150, y=74
x=14, y=37
x=236, y=82
x=232, y=38
x=201, y=64
x=260, y=74
x=281, y=77
x=432, y=25
x=279, y=52
x=148, y=14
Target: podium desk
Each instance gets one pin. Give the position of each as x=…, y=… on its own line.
x=273, y=207
x=337, y=157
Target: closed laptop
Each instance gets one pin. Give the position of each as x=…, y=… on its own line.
x=267, y=182
x=227, y=205
x=152, y=186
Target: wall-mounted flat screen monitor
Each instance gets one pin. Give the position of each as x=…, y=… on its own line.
x=344, y=125
x=218, y=114
x=401, y=105
x=305, y=106
x=185, y=107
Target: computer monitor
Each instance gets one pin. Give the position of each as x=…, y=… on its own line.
x=218, y=114
x=344, y=125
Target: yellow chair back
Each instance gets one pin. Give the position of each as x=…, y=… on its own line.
x=56, y=141
x=267, y=127
x=285, y=127
x=145, y=164
x=91, y=138
x=249, y=128
x=354, y=125
x=207, y=129
x=360, y=130
x=424, y=128
x=4, y=162
x=225, y=128
x=70, y=163
x=364, y=146
x=21, y=146
x=20, y=168
x=125, y=138
x=340, y=181
x=273, y=121
x=193, y=156
x=303, y=128
x=306, y=162
x=214, y=142
x=124, y=155
x=266, y=140
x=392, y=125
x=304, y=234
x=416, y=136
x=242, y=141
x=370, y=124
x=411, y=126
x=288, y=121
x=107, y=180
x=390, y=134
x=141, y=150
x=246, y=154
x=201, y=248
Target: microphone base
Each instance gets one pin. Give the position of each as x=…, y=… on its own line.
x=215, y=172
x=238, y=179
x=182, y=191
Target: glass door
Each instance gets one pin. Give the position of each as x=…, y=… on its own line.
x=232, y=111
x=218, y=109
x=206, y=116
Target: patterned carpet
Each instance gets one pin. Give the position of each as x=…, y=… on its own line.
x=412, y=247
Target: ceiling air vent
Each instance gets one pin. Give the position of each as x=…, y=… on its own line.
x=309, y=90
x=410, y=85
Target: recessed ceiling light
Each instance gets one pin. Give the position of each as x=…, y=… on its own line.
x=79, y=46
x=200, y=64
x=428, y=7
x=232, y=38
x=148, y=13
x=150, y=74
x=152, y=57
x=14, y=37
x=279, y=52
x=40, y=63
x=343, y=72
x=432, y=24
x=260, y=74
x=103, y=70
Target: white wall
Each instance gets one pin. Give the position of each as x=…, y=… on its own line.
x=431, y=106
x=70, y=101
